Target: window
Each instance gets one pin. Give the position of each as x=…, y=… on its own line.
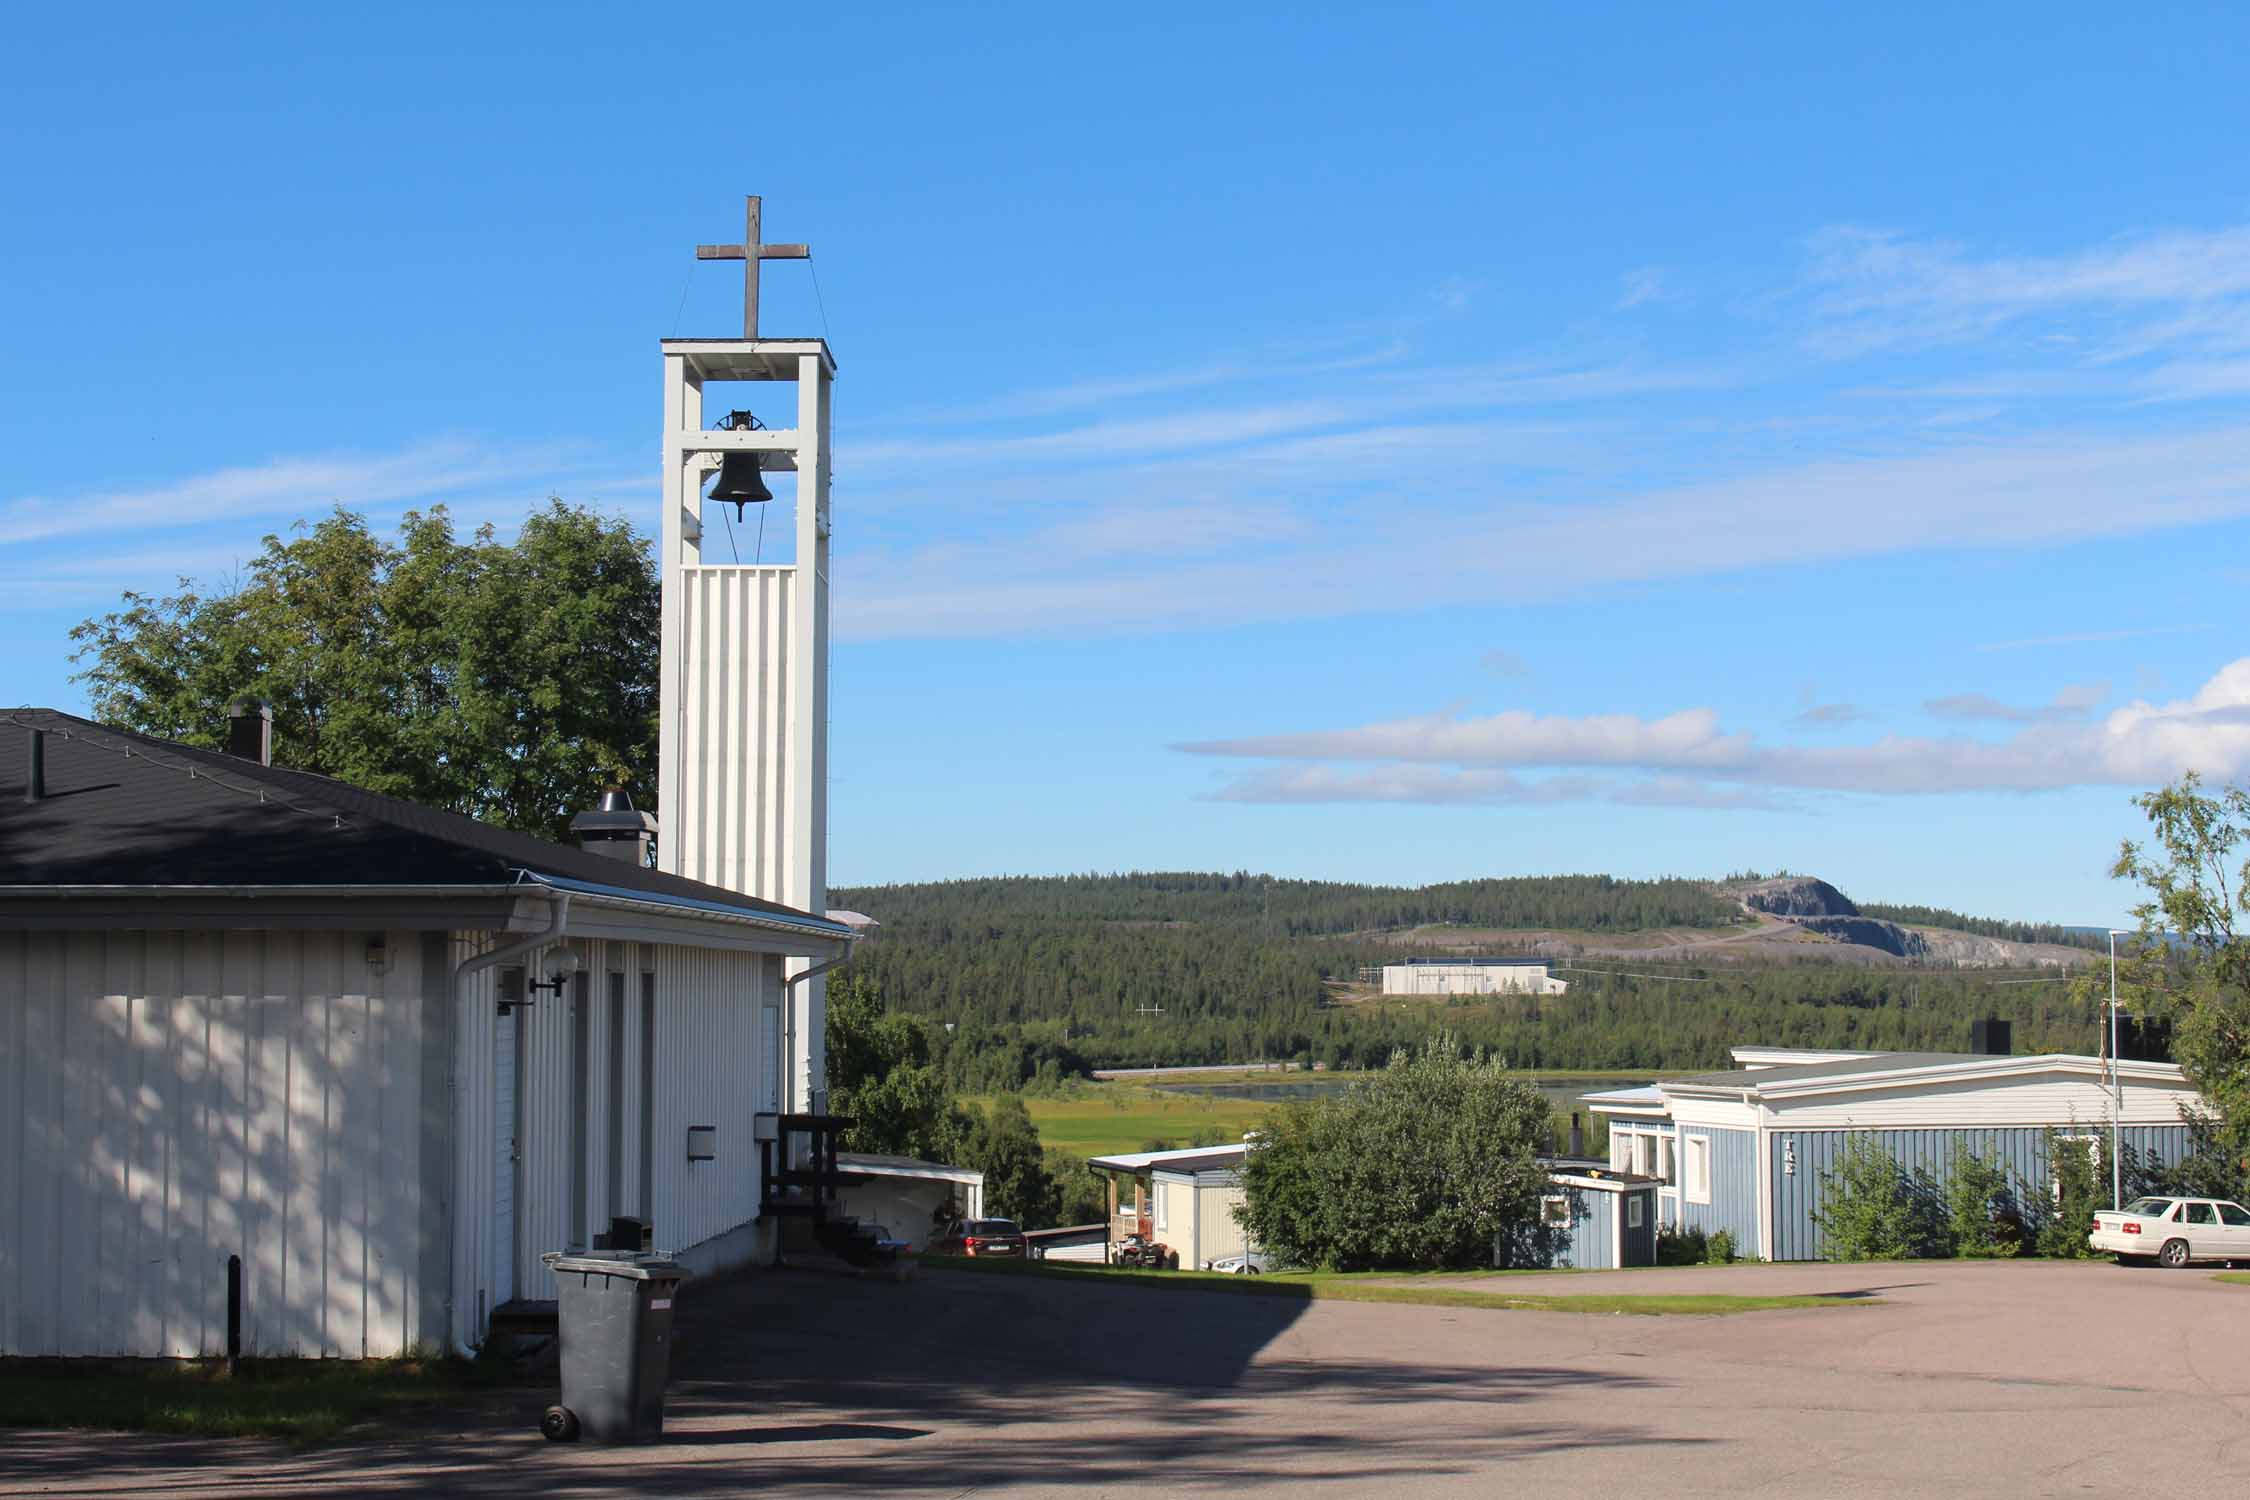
x=1667, y=1159
x=2200, y=1213
x=1620, y=1149
x=2234, y=1215
x=1160, y=1194
x=1634, y=1209
x=1697, y=1186
x=1554, y=1210
x=1644, y=1155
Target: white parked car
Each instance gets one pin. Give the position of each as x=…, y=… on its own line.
x=2174, y=1231
x=1251, y=1264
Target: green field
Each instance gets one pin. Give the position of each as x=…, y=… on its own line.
x=1100, y=1119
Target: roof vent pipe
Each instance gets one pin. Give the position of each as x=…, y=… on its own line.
x=615, y=830
x=35, y=768
x=250, y=730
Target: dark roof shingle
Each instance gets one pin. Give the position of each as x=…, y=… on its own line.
x=125, y=809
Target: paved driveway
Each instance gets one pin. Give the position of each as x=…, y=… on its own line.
x=1968, y=1379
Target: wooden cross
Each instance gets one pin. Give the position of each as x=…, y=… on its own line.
x=750, y=252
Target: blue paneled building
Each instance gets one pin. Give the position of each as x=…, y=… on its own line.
x=1747, y=1150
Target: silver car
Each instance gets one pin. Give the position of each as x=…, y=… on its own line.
x=2173, y=1231
x=1251, y=1263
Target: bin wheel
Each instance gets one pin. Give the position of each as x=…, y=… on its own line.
x=559, y=1424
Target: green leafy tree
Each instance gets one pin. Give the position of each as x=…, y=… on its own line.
x=2080, y=1187
x=1082, y=1195
x=506, y=682
x=1003, y=1144
x=1865, y=1212
x=1431, y=1163
x=1981, y=1222
x=2196, y=895
x=880, y=1074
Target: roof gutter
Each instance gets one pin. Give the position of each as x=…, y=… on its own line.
x=676, y=905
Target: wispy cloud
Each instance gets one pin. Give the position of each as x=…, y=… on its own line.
x=2131, y=298
x=2140, y=744
x=2088, y=637
x=1442, y=788
x=1465, y=511
x=2073, y=702
x=1504, y=663
x=1832, y=714
x=1638, y=286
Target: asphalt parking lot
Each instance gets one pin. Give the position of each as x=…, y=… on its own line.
x=1963, y=1378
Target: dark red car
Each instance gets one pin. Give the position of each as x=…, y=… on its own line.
x=981, y=1237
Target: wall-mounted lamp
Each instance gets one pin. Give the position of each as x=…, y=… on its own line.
x=560, y=965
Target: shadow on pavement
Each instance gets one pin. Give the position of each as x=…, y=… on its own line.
x=796, y=1383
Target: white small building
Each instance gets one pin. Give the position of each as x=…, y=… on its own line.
x=369, y=1058
x=1184, y=1200
x=1470, y=976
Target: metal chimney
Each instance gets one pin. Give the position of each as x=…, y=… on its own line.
x=35, y=768
x=614, y=830
x=250, y=730
x=1577, y=1136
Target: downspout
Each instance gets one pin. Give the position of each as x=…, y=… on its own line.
x=789, y=1018
x=558, y=925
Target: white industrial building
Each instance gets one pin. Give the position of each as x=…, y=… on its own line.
x=254, y=1015
x=1470, y=976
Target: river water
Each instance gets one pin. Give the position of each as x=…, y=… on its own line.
x=1562, y=1093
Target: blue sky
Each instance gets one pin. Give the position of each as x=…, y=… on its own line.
x=1453, y=441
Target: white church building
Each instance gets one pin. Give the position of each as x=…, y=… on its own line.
x=375, y=1056
x=290, y=1064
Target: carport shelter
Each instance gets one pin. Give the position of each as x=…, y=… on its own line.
x=1184, y=1200
x=254, y=1013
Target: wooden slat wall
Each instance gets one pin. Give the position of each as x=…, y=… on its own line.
x=169, y=1099
x=735, y=826
x=705, y=1065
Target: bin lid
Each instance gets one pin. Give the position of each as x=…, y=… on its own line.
x=626, y=1263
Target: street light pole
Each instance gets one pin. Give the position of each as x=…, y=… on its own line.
x=2117, y=1086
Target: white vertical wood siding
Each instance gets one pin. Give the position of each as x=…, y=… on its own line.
x=1217, y=1233
x=170, y=1099
x=728, y=819
x=706, y=1060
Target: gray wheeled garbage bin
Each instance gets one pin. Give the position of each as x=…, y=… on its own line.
x=614, y=1314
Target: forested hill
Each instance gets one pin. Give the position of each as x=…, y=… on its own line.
x=1293, y=908
x=1953, y=921
x=1038, y=976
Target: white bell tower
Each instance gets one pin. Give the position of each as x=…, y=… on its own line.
x=742, y=777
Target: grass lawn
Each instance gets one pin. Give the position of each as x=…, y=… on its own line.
x=1426, y=1289
x=303, y=1400
x=1104, y=1118
x=2237, y=1278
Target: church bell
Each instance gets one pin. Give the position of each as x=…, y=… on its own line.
x=740, y=483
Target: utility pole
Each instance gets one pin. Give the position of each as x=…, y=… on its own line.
x=2117, y=1086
